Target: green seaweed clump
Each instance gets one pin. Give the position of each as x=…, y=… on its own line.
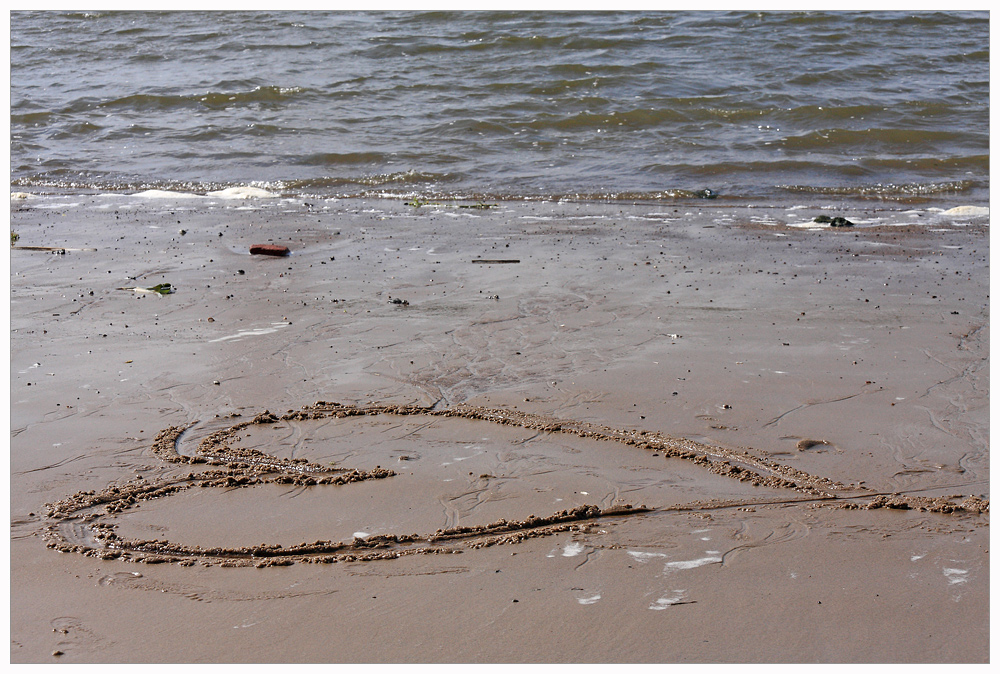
x=159, y=288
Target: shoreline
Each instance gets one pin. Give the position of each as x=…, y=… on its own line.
x=859, y=356
x=264, y=192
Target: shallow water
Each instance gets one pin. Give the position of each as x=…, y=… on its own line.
x=885, y=105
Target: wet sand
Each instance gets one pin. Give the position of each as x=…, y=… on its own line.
x=535, y=432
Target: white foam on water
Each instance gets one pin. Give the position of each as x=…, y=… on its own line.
x=967, y=211
x=244, y=192
x=643, y=557
x=588, y=600
x=166, y=194
x=573, y=549
x=914, y=558
x=73, y=204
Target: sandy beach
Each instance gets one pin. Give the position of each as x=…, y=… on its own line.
x=535, y=432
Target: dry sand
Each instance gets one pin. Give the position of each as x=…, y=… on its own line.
x=549, y=432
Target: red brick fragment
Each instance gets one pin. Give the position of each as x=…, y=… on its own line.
x=268, y=249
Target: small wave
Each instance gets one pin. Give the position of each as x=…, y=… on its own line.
x=884, y=190
x=32, y=118
x=212, y=99
x=338, y=158
x=406, y=185
x=76, y=130
x=153, y=189
x=914, y=140
x=166, y=194
x=379, y=180
x=965, y=57
x=402, y=177
x=929, y=165
x=490, y=42
x=967, y=211
x=243, y=192
x=644, y=118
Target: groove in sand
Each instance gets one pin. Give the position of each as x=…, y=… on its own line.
x=239, y=467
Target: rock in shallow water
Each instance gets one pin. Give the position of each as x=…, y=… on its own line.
x=833, y=222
